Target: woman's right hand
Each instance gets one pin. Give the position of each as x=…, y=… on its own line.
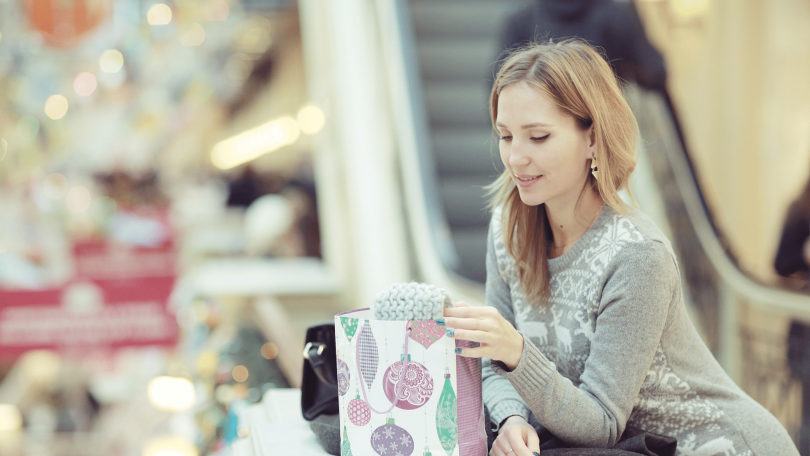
x=516, y=438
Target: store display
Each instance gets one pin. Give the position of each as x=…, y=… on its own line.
x=109, y=200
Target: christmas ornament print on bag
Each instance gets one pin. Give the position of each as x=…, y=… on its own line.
x=416, y=387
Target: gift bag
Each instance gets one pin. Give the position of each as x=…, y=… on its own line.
x=403, y=391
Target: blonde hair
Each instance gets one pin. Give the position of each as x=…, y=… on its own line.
x=581, y=83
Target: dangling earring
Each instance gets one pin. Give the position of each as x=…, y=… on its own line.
x=594, y=168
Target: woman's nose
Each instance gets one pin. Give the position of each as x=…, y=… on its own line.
x=517, y=155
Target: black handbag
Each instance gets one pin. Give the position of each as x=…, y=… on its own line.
x=319, y=391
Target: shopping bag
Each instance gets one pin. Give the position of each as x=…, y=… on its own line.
x=403, y=391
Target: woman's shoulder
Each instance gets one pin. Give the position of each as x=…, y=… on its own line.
x=632, y=227
x=628, y=240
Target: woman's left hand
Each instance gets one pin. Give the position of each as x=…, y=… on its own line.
x=498, y=338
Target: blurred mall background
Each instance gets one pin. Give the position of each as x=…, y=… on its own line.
x=187, y=185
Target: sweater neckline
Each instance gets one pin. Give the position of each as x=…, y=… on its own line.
x=565, y=260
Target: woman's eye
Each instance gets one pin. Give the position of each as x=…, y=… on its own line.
x=541, y=138
x=506, y=138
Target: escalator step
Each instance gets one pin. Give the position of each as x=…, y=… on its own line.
x=469, y=60
x=471, y=245
x=454, y=103
x=461, y=18
x=465, y=201
x=466, y=150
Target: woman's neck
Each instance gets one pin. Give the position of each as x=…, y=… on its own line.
x=570, y=221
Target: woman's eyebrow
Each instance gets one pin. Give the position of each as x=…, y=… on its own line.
x=531, y=125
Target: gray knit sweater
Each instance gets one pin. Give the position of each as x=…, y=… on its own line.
x=614, y=346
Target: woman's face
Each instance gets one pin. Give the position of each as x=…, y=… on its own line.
x=544, y=149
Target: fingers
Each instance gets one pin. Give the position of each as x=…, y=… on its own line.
x=467, y=323
x=472, y=336
x=501, y=447
x=533, y=442
x=474, y=352
x=517, y=443
x=470, y=312
x=456, y=305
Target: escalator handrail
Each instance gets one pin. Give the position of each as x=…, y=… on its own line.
x=788, y=303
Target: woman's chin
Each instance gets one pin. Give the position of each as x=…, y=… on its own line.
x=531, y=200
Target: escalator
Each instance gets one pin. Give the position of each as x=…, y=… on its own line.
x=457, y=42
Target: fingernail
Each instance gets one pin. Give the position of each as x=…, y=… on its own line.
x=458, y=350
x=440, y=321
x=535, y=453
x=450, y=332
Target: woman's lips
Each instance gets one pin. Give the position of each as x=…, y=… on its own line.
x=524, y=180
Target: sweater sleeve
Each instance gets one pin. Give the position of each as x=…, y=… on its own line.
x=500, y=397
x=640, y=287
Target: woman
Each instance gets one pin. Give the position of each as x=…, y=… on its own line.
x=603, y=339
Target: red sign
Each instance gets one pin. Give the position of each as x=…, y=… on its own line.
x=88, y=314
x=118, y=297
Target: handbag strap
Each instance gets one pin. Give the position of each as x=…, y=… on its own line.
x=399, y=384
x=313, y=352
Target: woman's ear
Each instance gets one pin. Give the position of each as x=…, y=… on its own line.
x=591, y=139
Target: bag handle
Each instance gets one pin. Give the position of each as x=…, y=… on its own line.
x=313, y=352
x=399, y=384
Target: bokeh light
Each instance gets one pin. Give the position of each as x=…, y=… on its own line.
x=239, y=391
x=40, y=367
x=207, y=363
x=3, y=148
x=111, y=61
x=269, y=350
x=291, y=129
x=689, y=9
x=216, y=10
x=56, y=107
x=85, y=84
x=256, y=38
x=10, y=418
x=78, y=199
x=171, y=393
x=223, y=393
x=311, y=119
x=54, y=186
x=254, y=143
x=159, y=14
x=240, y=373
x=193, y=36
x=169, y=446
